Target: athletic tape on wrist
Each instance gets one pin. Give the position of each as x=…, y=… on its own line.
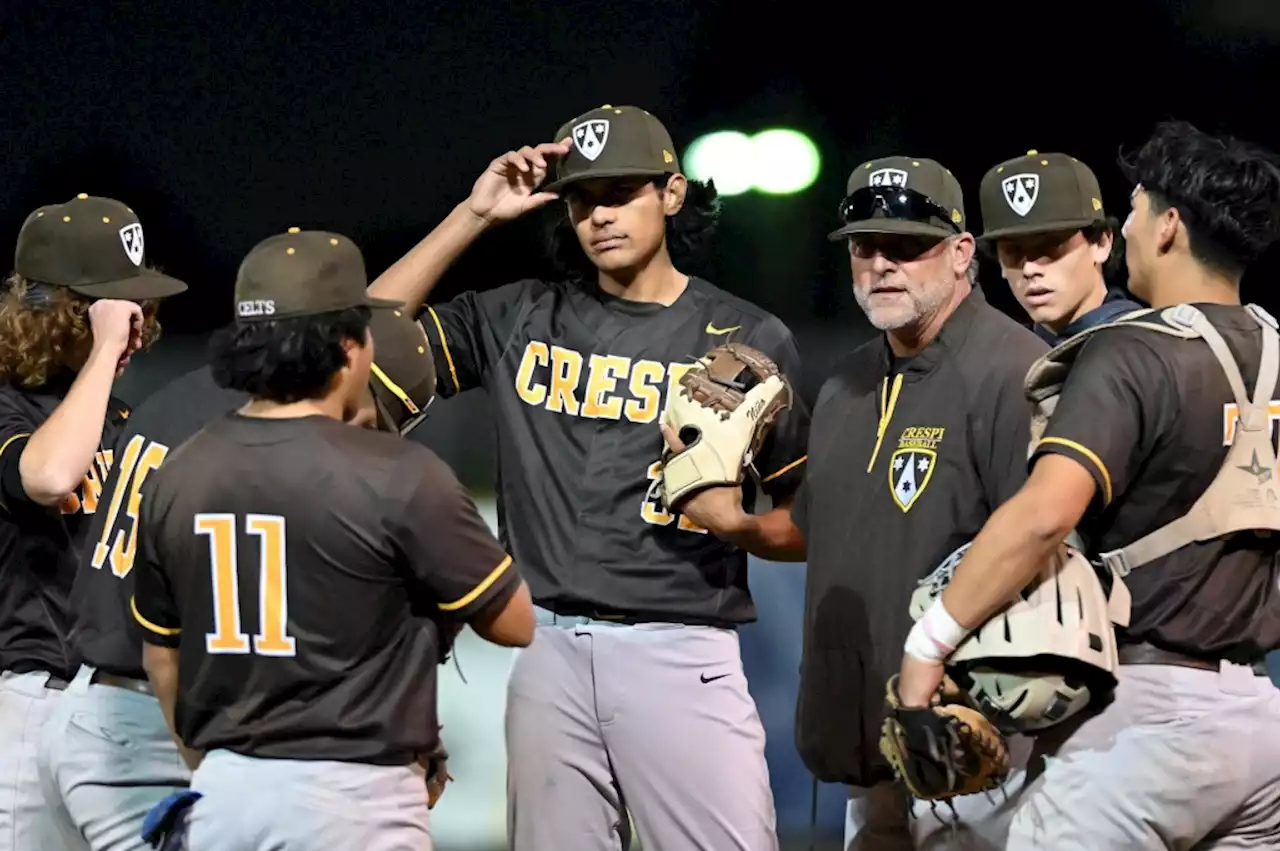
x=936, y=635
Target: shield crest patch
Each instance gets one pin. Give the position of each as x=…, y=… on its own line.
x=888, y=177
x=131, y=239
x=909, y=473
x=590, y=137
x=1021, y=192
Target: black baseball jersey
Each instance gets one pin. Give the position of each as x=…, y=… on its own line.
x=103, y=630
x=907, y=460
x=40, y=547
x=302, y=567
x=578, y=379
x=1151, y=417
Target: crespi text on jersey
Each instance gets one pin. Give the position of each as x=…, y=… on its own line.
x=596, y=386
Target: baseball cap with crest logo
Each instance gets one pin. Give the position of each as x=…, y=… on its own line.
x=303, y=273
x=902, y=195
x=92, y=246
x=1038, y=193
x=613, y=141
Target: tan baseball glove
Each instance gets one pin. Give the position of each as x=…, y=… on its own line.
x=723, y=411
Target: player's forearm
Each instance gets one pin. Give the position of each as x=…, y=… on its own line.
x=411, y=278
x=771, y=535
x=161, y=665
x=1005, y=557
x=59, y=453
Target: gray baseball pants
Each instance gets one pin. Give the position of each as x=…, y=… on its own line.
x=1182, y=759
x=252, y=804
x=653, y=721
x=106, y=758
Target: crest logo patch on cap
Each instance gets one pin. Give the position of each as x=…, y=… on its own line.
x=590, y=137
x=131, y=239
x=1021, y=192
x=888, y=177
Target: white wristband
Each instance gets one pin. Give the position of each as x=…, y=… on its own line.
x=936, y=635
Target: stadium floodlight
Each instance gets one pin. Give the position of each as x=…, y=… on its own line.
x=777, y=161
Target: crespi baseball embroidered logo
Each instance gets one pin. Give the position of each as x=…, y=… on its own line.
x=1021, y=192
x=911, y=466
x=888, y=177
x=590, y=137
x=131, y=239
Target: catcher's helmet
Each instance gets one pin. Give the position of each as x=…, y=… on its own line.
x=1045, y=656
x=402, y=379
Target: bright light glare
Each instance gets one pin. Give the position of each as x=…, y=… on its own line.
x=725, y=157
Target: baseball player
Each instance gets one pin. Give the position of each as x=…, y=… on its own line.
x=106, y=756
x=1160, y=456
x=1044, y=222
x=80, y=302
x=633, y=697
x=919, y=436
x=297, y=578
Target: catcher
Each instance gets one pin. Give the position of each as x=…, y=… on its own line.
x=1159, y=453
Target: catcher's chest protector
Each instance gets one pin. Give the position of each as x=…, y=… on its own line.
x=1244, y=495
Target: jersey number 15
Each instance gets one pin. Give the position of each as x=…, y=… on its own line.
x=120, y=546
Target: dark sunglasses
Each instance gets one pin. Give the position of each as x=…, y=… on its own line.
x=894, y=202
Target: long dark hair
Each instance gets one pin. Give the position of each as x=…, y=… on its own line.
x=689, y=233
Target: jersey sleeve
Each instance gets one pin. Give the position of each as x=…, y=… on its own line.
x=469, y=333
x=152, y=605
x=16, y=426
x=449, y=550
x=1117, y=403
x=1001, y=419
x=783, y=456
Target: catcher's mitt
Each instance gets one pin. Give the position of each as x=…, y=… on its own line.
x=722, y=413
x=947, y=750
x=436, y=765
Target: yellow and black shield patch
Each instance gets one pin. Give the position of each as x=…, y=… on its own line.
x=909, y=473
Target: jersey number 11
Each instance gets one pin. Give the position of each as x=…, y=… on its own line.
x=273, y=592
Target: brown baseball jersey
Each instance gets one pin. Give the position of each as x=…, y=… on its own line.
x=40, y=547
x=1151, y=416
x=303, y=568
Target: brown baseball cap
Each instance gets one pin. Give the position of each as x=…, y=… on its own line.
x=930, y=201
x=614, y=141
x=92, y=246
x=303, y=273
x=1037, y=193
x=403, y=380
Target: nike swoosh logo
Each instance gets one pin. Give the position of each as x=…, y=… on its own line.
x=707, y=679
x=711, y=329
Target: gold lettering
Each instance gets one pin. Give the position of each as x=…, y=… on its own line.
x=645, y=374
x=566, y=370
x=602, y=380
x=535, y=355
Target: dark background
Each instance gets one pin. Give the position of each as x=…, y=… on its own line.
x=222, y=123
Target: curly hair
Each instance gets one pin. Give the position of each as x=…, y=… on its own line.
x=689, y=233
x=44, y=329
x=1113, y=269
x=1226, y=190
x=285, y=360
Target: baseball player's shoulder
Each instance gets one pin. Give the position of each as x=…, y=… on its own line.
x=1000, y=344
x=729, y=314
x=857, y=372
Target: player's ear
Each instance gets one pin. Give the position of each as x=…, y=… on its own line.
x=962, y=248
x=673, y=194
x=1167, y=224
x=1102, y=248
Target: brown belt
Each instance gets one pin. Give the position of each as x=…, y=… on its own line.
x=126, y=683
x=1147, y=654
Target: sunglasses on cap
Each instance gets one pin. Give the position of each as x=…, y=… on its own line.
x=894, y=202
